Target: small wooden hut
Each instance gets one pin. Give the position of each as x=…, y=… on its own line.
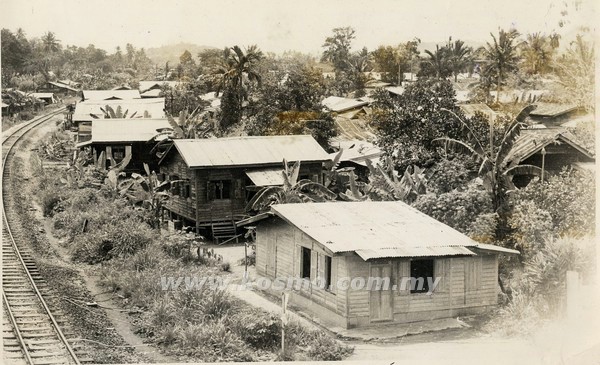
x=331, y=248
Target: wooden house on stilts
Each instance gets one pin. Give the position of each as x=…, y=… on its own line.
x=221, y=175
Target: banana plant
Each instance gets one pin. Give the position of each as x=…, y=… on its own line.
x=110, y=113
x=494, y=168
x=354, y=194
x=147, y=191
x=385, y=185
x=292, y=191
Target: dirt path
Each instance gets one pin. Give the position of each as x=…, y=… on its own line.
x=121, y=322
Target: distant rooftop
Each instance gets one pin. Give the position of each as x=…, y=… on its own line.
x=125, y=130
x=111, y=94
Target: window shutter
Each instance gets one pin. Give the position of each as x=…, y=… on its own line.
x=403, y=274
x=321, y=269
x=298, y=261
x=441, y=269
x=175, y=188
x=238, y=188
x=210, y=191
x=334, y=263
x=313, y=264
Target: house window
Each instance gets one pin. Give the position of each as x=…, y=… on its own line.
x=420, y=271
x=219, y=189
x=327, y=272
x=185, y=190
x=175, y=186
x=118, y=153
x=305, y=268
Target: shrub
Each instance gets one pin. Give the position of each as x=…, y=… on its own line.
x=216, y=303
x=147, y=258
x=213, y=341
x=116, y=240
x=326, y=348
x=225, y=266
x=50, y=203
x=520, y=316
x=458, y=209
x=90, y=248
x=484, y=228
x=259, y=329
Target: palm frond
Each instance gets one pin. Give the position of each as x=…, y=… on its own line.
x=529, y=170
x=263, y=198
x=512, y=134
x=456, y=146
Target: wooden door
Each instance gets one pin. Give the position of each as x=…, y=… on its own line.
x=381, y=302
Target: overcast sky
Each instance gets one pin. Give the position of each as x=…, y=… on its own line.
x=278, y=25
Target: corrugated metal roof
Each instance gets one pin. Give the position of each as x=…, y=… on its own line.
x=357, y=151
x=486, y=247
x=249, y=151
x=266, y=177
x=154, y=93
x=338, y=104
x=146, y=85
x=126, y=130
x=471, y=109
x=398, y=90
x=532, y=140
x=62, y=85
x=376, y=229
x=552, y=110
x=415, y=252
x=155, y=107
x=111, y=94
x=42, y=95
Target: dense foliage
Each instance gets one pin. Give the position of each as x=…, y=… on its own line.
x=408, y=124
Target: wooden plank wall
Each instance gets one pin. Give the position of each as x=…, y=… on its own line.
x=275, y=238
x=465, y=282
x=185, y=207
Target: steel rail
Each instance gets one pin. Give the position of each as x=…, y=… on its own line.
x=27, y=127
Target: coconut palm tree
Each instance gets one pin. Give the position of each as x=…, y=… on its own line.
x=187, y=126
x=459, y=56
x=538, y=51
x=502, y=57
x=237, y=67
x=439, y=61
x=50, y=43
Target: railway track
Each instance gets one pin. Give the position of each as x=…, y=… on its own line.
x=32, y=332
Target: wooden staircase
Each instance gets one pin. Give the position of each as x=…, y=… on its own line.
x=224, y=230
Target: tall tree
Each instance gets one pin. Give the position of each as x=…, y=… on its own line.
x=338, y=48
x=460, y=57
x=394, y=61
x=237, y=67
x=502, y=57
x=576, y=70
x=538, y=53
x=438, y=63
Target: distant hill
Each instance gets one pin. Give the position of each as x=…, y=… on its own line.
x=171, y=52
